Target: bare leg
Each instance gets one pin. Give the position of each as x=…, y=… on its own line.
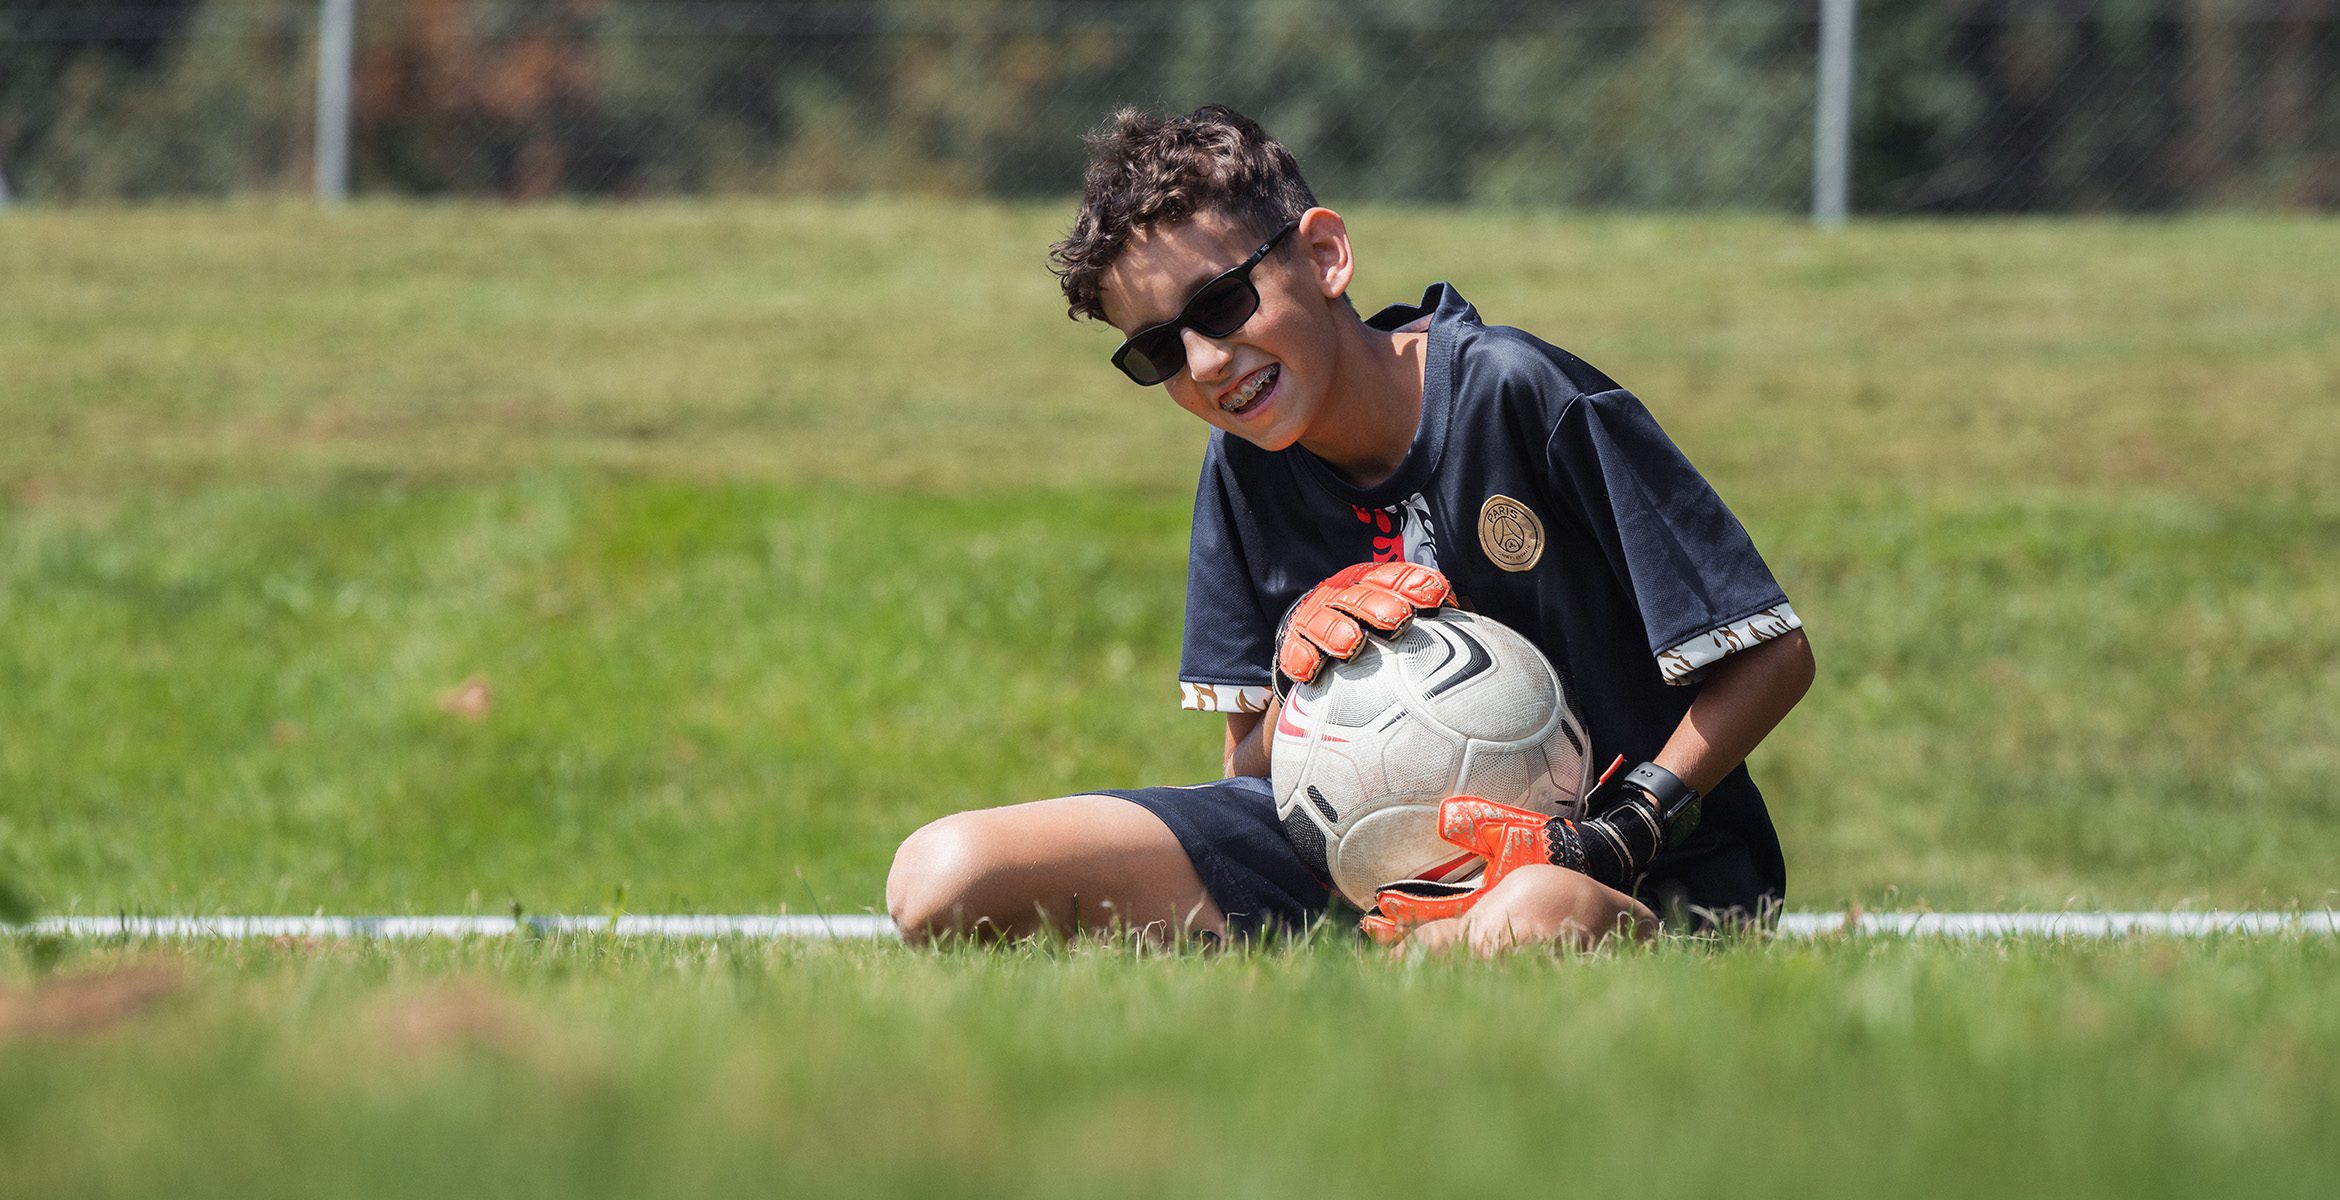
x=1070, y=865
x=1539, y=905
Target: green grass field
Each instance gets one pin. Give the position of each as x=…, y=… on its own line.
x=595, y=1068
x=772, y=531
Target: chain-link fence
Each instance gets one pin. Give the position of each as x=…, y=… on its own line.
x=1956, y=105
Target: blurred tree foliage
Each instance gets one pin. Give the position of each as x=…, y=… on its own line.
x=1963, y=105
x=163, y=98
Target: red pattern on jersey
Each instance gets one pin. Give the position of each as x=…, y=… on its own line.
x=1388, y=545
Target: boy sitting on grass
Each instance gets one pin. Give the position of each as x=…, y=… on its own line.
x=1360, y=470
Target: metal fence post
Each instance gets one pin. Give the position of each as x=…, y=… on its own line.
x=336, y=55
x=1832, y=118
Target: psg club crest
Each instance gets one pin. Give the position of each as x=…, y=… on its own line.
x=1510, y=533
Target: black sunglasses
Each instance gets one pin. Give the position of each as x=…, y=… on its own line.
x=1153, y=354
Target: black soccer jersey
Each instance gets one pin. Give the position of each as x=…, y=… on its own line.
x=1555, y=504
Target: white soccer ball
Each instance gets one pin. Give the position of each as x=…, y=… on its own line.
x=1453, y=704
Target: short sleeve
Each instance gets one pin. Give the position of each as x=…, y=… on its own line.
x=1223, y=662
x=1702, y=590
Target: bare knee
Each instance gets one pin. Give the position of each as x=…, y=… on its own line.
x=936, y=873
x=1067, y=865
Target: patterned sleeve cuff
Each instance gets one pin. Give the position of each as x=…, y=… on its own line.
x=1687, y=662
x=1222, y=697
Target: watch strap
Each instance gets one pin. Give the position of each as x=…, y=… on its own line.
x=1678, y=807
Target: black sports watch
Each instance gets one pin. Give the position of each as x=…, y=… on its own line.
x=1678, y=807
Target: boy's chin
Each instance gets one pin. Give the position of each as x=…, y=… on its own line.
x=1270, y=439
x=1276, y=432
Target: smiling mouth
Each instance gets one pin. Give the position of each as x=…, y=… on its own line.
x=1253, y=388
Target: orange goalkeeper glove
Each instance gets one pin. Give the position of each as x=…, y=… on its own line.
x=1634, y=819
x=1330, y=621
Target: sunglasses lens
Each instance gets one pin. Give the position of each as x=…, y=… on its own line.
x=1223, y=307
x=1152, y=359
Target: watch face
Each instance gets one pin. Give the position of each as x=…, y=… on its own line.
x=1684, y=819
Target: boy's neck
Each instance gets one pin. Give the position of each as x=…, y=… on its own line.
x=1374, y=405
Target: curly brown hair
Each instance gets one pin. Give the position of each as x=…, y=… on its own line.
x=1148, y=169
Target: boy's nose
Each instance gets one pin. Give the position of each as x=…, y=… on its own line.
x=1206, y=358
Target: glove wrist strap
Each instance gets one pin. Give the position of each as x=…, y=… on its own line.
x=1612, y=849
x=1617, y=843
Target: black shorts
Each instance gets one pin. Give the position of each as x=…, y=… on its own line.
x=1230, y=832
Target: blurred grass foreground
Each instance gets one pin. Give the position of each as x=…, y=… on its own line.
x=590, y=1067
x=415, y=559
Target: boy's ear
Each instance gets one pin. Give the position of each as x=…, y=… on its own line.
x=1326, y=239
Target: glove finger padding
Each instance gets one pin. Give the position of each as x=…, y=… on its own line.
x=1331, y=619
x=1398, y=907
x=1316, y=632
x=1492, y=829
x=1381, y=929
x=1387, y=595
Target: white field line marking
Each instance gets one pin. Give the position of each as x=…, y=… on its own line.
x=865, y=926
x=226, y=927
x=2059, y=924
